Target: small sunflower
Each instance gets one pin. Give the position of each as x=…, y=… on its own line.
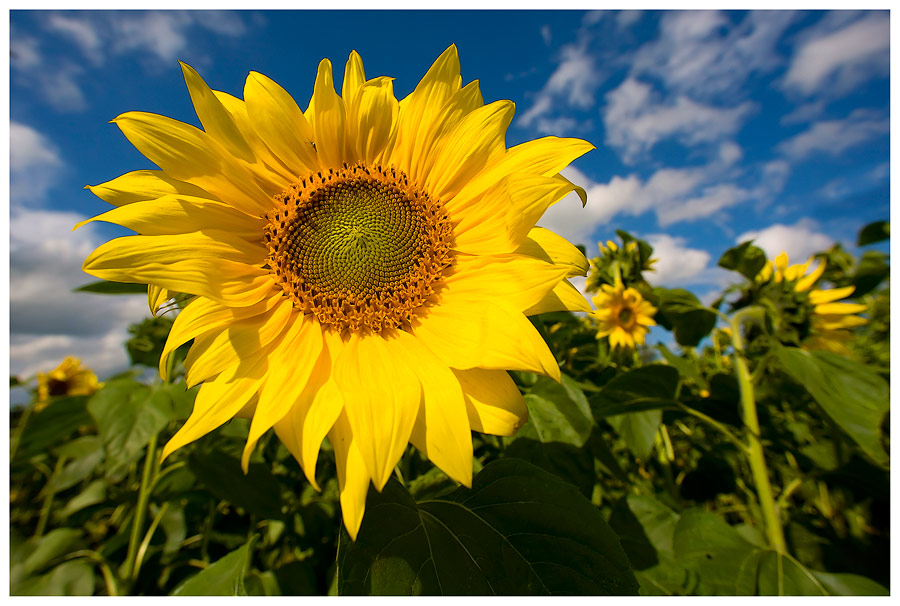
x=827, y=322
x=623, y=315
x=362, y=270
x=67, y=379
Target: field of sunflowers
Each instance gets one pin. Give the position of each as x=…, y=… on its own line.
x=750, y=459
x=367, y=373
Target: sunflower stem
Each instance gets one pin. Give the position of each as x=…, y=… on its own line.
x=129, y=570
x=755, y=455
x=48, y=499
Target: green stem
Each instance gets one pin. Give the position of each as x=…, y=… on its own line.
x=715, y=425
x=108, y=577
x=129, y=570
x=145, y=544
x=48, y=499
x=755, y=456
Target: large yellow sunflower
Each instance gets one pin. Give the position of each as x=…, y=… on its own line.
x=623, y=315
x=362, y=269
x=828, y=320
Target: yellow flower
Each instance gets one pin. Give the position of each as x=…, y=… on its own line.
x=362, y=270
x=67, y=379
x=622, y=315
x=829, y=320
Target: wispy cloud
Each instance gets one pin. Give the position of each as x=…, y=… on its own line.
x=34, y=165
x=677, y=263
x=799, y=241
x=833, y=57
x=834, y=137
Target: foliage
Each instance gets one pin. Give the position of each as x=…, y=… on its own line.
x=739, y=464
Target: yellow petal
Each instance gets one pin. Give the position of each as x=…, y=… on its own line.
x=547, y=245
x=178, y=214
x=563, y=297
x=479, y=336
x=221, y=399
x=354, y=76
x=203, y=315
x=840, y=308
x=442, y=425
x=156, y=296
x=143, y=185
x=216, y=120
x=419, y=110
x=530, y=198
x=214, y=352
x=327, y=119
x=353, y=475
x=519, y=281
x=280, y=124
x=291, y=364
x=805, y=283
x=371, y=120
x=818, y=297
x=463, y=152
x=189, y=154
x=214, y=265
x=493, y=401
x=381, y=399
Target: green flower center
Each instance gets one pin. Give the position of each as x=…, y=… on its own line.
x=359, y=248
x=625, y=315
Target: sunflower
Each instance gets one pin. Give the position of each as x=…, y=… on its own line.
x=623, y=315
x=67, y=379
x=361, y=270
x=824, y=322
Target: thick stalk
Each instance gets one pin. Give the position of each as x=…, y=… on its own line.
x=128, y=571
x=757, y=460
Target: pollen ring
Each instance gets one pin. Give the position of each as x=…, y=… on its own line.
x=358, y=247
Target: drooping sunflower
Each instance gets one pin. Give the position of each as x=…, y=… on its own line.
x=623, y=315
x=67, y=379
x=361, y=270
x=822, y=321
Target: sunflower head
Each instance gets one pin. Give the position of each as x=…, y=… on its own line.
x=812, y=318
x=359, y=270
x=67, y=379
x=615, y=262
x=622, y=315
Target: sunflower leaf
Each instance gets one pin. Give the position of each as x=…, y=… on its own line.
x=223, y=577
x=518, y=531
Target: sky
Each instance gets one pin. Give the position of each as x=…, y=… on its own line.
x=710, y=127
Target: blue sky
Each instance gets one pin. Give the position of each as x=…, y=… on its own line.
x=710, y=127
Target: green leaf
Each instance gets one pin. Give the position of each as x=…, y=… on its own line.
x=93, y=494
x=745, y=258
x=631, y=402
x=128, y=415
x=69, y=578
x=646, y=528
x=87, y=452
x=871, y=270
x=257, y=492
x=783, y=575
x=681, y=312
x=224, y=577
x=853, y=396
x=56, y=543
x=518, y=531
x=874, y=232
x=687, y=368
x=725, y=562
x=53, y=425
x=105, y=287
x=559, y=412
x=849, y=584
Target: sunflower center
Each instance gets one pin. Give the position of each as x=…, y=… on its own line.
x=358, y=247
x=625, y=315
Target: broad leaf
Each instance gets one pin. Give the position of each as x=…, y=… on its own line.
x=681, y=312
x=52, y=425
x=874, y=232
x=745, y=258
x=853, y=396
x=128, y=415
x=105, y=287
x=224, y=577
x=518, y=531
x=848, y=584
x=258, y=491
x=559, y=412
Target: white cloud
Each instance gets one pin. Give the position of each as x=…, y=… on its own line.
x=79, y=31
x=636, y=119
x=34, y=164
x=835, y=61
x=799, y=241
x=546, y=34
x=572, y=84
x=704, y=55
x=677, y=264
x=710, y=200
x=834, y=137
x=47, y=320
x=54, y=81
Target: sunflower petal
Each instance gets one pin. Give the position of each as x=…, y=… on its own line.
x=381, y=399
x=371, y=120
x=143, y=185
x=817, y=297
x=328, y=117
x=354, y=76
x=563, y=297
x=493, y=401
x=839, y=308
x=544, y=244
x=353, y=475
